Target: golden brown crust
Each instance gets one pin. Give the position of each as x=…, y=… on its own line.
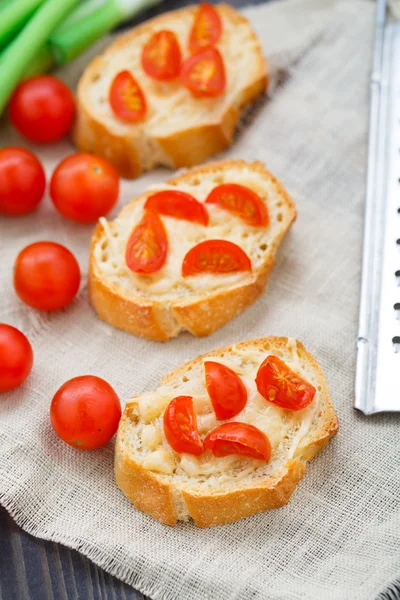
x=159, y=321
x=208, y=508
x=184, y=148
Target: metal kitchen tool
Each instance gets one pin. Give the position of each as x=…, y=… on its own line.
x=378, y=343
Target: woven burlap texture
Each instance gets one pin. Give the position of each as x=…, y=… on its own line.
x=339, y=537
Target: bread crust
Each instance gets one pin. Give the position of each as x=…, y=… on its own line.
x=154, y=494
x=160, y=321
x=185, y=148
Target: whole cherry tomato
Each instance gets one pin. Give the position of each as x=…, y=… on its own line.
x=22, y=181
x=46, y=276
x=42, y=109
x=238, y=438
x=85, y=412
x=16, y=357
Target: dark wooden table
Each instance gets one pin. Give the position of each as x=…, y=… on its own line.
x=32, y=569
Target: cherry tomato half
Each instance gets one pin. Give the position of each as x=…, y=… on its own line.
x=42, y=109
x=161, y=56
x=179, y=205
x=16, y=357
x=84, y=187
x=238, y=438
x=46, y=276
x=126, y=98
x=278, y=384
x=226, y=389
x=22, y=181
x=180, y=426
x=241, y=201
x=85, y=412
x=215, y=256
x=206, y=29
x=147, y=248
x=203, y=74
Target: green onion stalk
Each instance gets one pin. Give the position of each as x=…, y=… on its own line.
x=14, y=15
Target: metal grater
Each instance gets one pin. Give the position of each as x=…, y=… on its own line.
x=378, y=343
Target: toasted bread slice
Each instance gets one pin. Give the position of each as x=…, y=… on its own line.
x=179, y=130
x=160, y=305
x=213, y=491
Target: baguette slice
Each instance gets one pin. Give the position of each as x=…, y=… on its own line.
x=213, y=491
x=179, y=130
x=161, y=305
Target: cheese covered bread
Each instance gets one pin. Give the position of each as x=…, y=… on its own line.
x=189, y=254
x=227, y=435
x=170, y=92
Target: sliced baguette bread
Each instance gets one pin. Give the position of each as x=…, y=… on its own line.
x=160, y=305
x=179, y=130
x=212, y=491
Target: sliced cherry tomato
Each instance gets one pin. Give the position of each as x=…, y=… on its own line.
x=85, y=412
x=147, y=248
x=238, y=438
x=278, y=384
x=179, y=205
x=42, y=109
x=16, y=357
x=46, y=276
x=241, y=201
x=84, y=187
x=126, y=98
x=180, y=426
x=226, y=389
x=22, y=181
x=161, y=56
x=206, y=29
x=204, y=73
x=215, y=256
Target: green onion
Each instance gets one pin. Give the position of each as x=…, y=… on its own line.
x=14, y=16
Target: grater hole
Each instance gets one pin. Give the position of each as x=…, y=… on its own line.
x=397, y=309
x=398, y=210
x=397, y=275
x=398, y=242
x=396, y=343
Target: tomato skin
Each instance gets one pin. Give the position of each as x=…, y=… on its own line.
x=126, y=98
x=161, y=56
x=22, y=181
x=16, y=357
x=203, y=74
x=241, y=201
x=238, y=438
x=215, y=256
x=206, y=29
x=46, y=276
x=282, y=386
x=180, y=426
x=147, y=247
x=42, y=109
x=226, y=389
x=85, y=412
x=179, y=205
x=84, y=187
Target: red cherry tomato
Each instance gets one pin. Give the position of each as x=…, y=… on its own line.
x=85, y=412
x=203, y=74
x=16, y=357
x=46, y=276
x=42, y=109
x=206, y=29
x=180, y=426
x=147, y=248
x=215, y=256
x=226, y=389
x=238, y=438
x=126, y=98
x=161, y=56
x=240, y=201
x=22, y=181
x=179, y=205
x=84, y=187
x=278, y=384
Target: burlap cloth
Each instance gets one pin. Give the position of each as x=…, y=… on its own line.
x=339, y=537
